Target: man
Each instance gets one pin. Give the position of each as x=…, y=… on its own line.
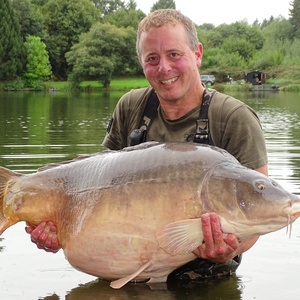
x=170, y=55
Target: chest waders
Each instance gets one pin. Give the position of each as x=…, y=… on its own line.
x=198, y=270
x=201, y=134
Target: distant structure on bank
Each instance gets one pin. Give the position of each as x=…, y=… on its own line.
x=256, y=77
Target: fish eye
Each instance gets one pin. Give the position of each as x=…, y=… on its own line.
x=260, y=185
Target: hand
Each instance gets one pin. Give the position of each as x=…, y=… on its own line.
x=44, y=235
x=217, y=246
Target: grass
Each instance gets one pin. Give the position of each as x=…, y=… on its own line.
x=117, y=84
x=125, y=84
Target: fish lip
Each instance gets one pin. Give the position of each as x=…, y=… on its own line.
x=296, y=215
x=293, y=210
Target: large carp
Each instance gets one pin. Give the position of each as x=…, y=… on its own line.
x=134, y=213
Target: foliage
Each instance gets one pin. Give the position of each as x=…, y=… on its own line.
x=271, y=45
x=11, y=44
x=125, y=18
x=108, y=6
x=279, y=29
x=295, y=18
x=241, y=30
x=39, y=2
x=66, y=20
x=38, y=66
x=102, y=52
x=279, y=46
x=17, y=84
x=30, y=18
x=244, y=48
x=159, y=4
x=288, y=75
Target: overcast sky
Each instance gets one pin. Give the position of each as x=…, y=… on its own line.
x=226, y=11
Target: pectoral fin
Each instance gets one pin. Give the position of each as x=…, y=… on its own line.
x=180, y=237
x=116, y=284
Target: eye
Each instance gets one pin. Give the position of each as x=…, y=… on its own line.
x=174, y=55
x=260, y=185
x=152, y=60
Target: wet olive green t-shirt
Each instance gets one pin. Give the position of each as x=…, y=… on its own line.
x=233, y=126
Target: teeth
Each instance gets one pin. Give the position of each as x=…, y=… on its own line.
x=170, y=81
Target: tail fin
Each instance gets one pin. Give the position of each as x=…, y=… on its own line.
x=5, y=176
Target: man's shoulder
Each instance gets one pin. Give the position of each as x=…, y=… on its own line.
x=225, y=106
x=135, y=96
x=225, y=101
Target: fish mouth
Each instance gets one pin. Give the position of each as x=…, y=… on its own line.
x=293, y=211
x=245, y=230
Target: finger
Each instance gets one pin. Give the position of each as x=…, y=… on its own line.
x=38, y=233
x=52, y=227
x=207, y=234
x=218, y=237
x=231, y=240
x=55, y=246
x=29, y=227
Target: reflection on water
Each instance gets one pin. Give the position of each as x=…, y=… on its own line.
x=40, y=128
x=37, y=129
x=227, y=288
x=280, y=117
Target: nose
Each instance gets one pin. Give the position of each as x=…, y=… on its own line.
x=164, y=65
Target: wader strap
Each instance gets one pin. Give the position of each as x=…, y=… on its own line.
x=138, y=136
x=150, y=111
x=202, y=135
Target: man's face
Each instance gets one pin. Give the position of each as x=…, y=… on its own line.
x=169, y=64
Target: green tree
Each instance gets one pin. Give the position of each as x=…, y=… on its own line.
x=109, y=6
x=295, y=17
x=39, y=2
x=65, y=21
x=241, y=30
x=30, y=18
x=131, y=5
x=12, y=51
x=278, y=48
x=125, y=18
x=103, y=52
x=279, y=29
x=38, y=67
x=162, y=4
x=243, y=47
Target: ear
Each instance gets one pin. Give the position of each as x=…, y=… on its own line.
x=198, y=54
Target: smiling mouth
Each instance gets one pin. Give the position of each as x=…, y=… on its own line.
x=169, y=81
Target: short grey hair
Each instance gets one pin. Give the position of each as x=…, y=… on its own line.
x=163, y=17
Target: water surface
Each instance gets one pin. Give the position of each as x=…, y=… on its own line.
x=40, y=128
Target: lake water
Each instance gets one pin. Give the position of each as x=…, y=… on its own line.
x=40, y=128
